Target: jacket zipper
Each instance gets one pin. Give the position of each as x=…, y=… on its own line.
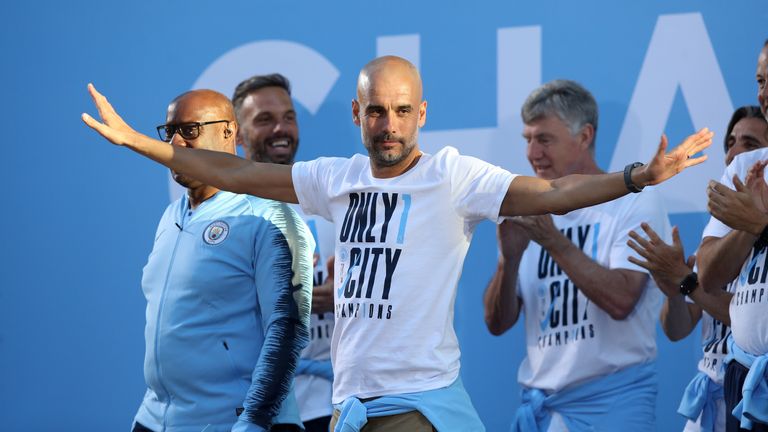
x=157, y=327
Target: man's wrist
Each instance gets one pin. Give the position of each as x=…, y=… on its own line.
x=634, y=178
x=760, y=226
x=762, y=238
x=556, y=242
x=689, y=283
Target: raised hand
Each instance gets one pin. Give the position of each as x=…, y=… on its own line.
x=665, y=165
x=755, y=185
x=665, y=262
x=739, y=209
x=112, y=126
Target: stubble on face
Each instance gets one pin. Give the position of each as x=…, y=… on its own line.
x=389, y=82
x=268, y=129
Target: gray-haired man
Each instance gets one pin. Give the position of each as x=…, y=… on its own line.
x=589, y=313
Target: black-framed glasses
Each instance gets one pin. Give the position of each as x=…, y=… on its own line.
x=188, y=131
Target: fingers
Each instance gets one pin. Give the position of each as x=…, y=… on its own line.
x=107, y=113
x=718, y=189
x=740, y=187
x=641, y=250
x=699, y=141
x=691, y=262
x=676, y=238
x=98, y=99
x=663, y=144
x=640, y=240
x=643, y=264
x=695, y=161
x=652, y=236
x=694, y=144
x=95, y=125
x=756, y=171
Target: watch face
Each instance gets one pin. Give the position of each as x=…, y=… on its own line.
x=689, y=283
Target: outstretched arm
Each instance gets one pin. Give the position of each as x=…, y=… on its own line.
x=218, y=169
x=531, y=196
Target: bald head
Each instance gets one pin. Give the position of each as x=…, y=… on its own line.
x=389, y=70
x=201, y=119
x=204, y=106
x=212, y=103
x=389, y=110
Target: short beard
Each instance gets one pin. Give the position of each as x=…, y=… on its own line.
x=381, y=160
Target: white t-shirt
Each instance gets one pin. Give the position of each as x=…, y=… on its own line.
x=569, y=339
x=313, y=393
x=714, y=335
x=400, y=247
x=749, y=305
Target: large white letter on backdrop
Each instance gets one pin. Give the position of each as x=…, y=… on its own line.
x=680, y=54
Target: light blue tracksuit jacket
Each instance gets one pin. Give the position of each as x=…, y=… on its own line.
x=228, y=289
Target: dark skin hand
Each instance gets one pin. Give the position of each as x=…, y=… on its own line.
x=322, y=295
x=668, y=267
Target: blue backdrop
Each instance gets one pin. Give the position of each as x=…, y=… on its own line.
x=79, y=215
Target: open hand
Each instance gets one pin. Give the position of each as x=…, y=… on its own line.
x=738, y=209
x=665, y=262
x=112, y=127
x=665, y=165
x=756, y=185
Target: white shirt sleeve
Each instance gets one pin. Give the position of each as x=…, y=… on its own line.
x=311, y=183
x=477, y=187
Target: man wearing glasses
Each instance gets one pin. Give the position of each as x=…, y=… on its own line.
x=228, y=287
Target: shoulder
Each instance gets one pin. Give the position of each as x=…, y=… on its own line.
x=329, y=163
x=450, y=159
x=268, y=209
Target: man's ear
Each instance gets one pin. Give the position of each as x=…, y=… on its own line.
x=356, y=112
x=422, y=113
x=586, y=136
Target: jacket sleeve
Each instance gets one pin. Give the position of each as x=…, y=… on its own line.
x=283, y=279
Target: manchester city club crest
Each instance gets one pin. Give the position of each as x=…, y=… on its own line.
x=216, y=232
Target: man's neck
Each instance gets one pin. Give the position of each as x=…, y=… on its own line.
x=198, y=195
x=396, y=170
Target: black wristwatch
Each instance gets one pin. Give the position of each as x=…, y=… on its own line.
x=762, y=240
x=689, y=283
x=628, y=177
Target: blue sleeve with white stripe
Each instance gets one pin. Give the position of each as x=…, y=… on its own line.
x=283, y=279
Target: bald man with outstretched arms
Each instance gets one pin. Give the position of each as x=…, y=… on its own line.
x=397, y=212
